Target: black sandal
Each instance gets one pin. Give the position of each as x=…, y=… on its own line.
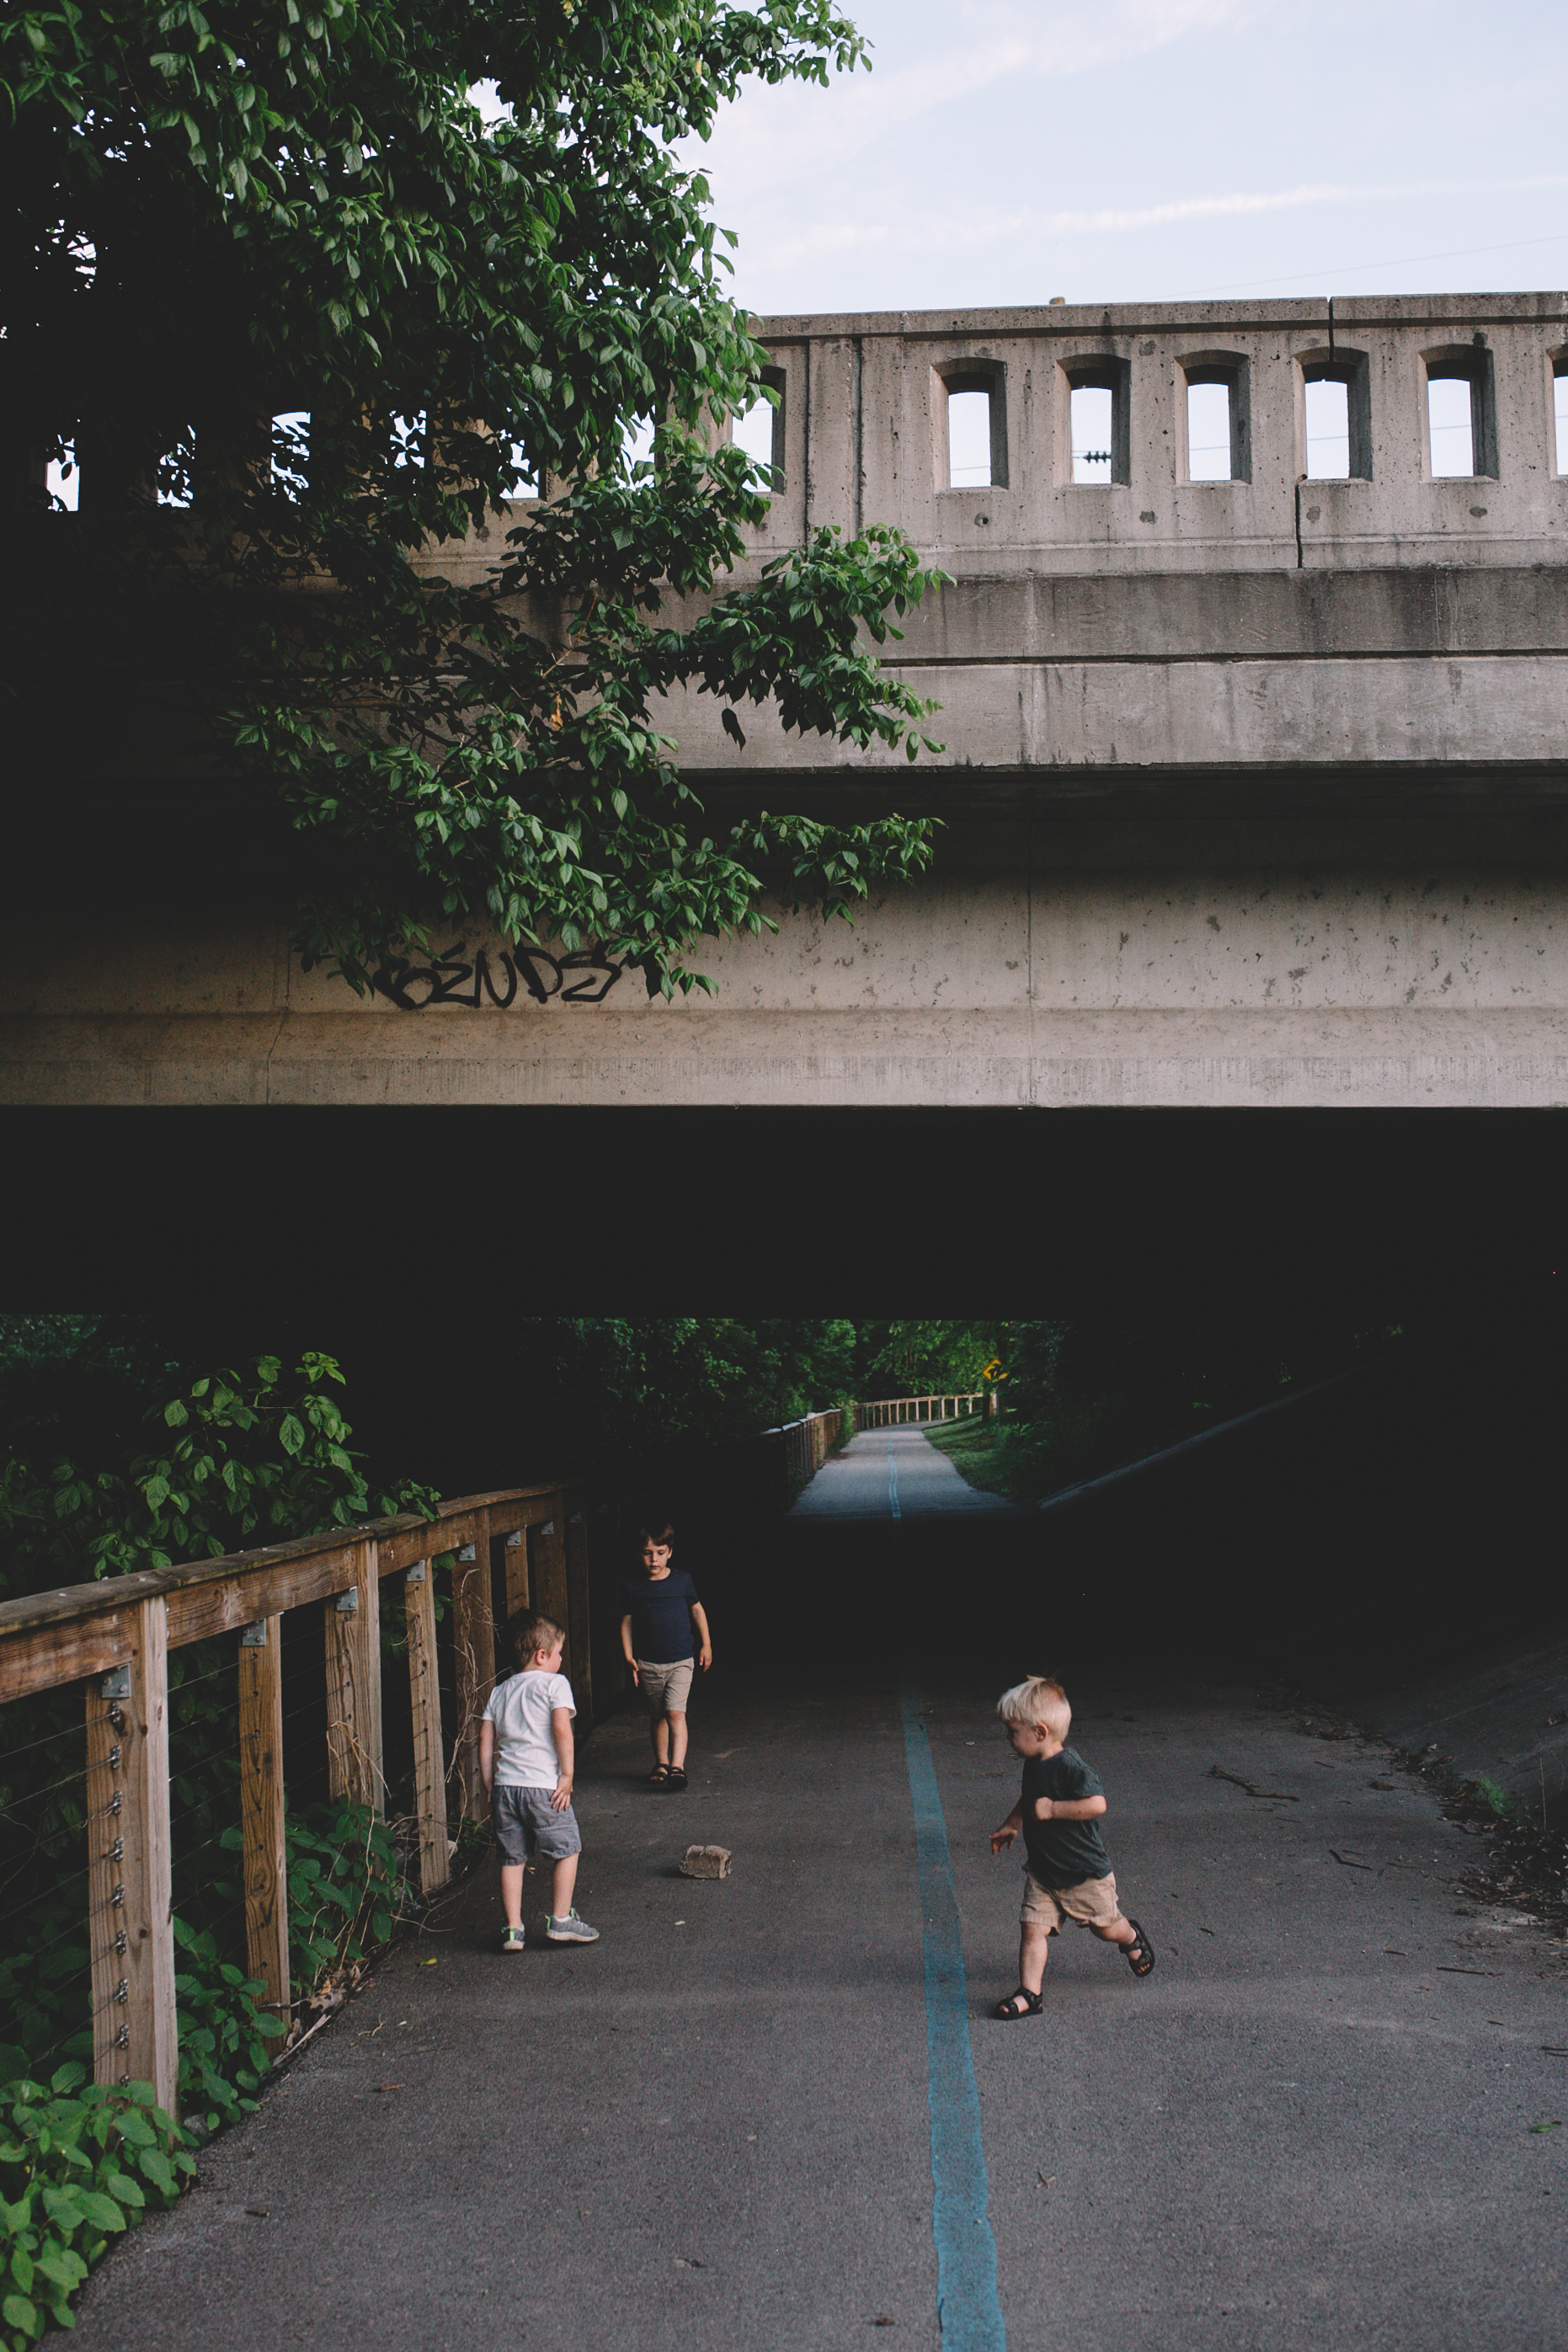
x=1033, y=2004
x=1140, y=1953
x=676, y=1779
x=659, y=1777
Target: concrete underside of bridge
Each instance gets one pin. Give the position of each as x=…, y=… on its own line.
x=1048, y=962
x=1255, y=793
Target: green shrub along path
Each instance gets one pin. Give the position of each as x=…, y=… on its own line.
x=221, y=1464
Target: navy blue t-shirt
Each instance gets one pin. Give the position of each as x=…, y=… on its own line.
x=661, y=1617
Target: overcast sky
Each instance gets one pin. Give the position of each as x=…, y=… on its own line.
x=1004, y=151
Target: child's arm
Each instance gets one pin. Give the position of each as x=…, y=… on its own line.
x=700, y=1619
x=565, y=1756
x=1002, y=1837
x=626, y=1646
x=1068, y=1809
x=487, y=1753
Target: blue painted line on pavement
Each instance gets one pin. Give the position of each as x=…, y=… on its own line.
x=968, y=2311
x=894, y=1489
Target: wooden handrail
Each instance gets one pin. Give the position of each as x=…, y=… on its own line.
x=885, y=1413
x=37, y=1651
x=114, y=1635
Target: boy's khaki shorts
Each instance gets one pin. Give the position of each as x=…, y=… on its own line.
x=665, y=1685
x=1091, y=1904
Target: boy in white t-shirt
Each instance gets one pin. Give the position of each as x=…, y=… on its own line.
x=526, y=1758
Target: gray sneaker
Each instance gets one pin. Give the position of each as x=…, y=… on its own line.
x=570, y=1930
x=513, y=1940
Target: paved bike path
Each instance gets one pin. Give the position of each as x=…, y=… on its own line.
x=891, y=1474
x=1313, y=2123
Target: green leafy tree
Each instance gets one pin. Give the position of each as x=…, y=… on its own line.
x=270, y=262
x=921, y=1358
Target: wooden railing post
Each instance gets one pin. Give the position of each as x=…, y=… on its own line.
x=515, y=1559
x=474, y=1641
x=261, y=1808
x=579, y=1607
x=130, y=1918
x=547, y=1564
x=424, y=1698
x=353, y=1686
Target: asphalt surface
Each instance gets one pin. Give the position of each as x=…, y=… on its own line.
x=891, y=1474
x=1314, y=2125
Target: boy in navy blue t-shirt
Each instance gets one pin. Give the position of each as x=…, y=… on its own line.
x=663, y=1613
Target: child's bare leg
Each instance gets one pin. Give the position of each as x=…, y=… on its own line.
x=677, y=1738
x=563, y=1879
x=1033, y=1949
x=658, y=1732
x=1119, y=1930
x=511, y=1892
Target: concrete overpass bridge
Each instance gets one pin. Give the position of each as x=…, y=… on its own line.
x=1255, y=787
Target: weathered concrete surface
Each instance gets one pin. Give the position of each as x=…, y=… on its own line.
x=865, y=428
x=1501, y=1715
x=1220, y=965
x=1256, y=791
x=712, y=2130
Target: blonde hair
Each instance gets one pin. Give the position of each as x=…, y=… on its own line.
x=531, y=1636
x=1040, y=1700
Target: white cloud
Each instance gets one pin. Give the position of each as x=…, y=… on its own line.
x=769, y=137
x=949, y=232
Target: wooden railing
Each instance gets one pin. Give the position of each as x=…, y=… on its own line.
x=887, y=1413
x=802, y=1447
x=115, y=1637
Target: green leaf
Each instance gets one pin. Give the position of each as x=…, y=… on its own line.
x=100, y=2208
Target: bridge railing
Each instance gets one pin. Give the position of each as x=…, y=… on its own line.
x=888, y=1412
x=1449, y=444
x=801, y=1448
x=114, y=1636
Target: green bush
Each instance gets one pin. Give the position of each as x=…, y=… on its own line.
x=345, y=1890
x=78, y=2163
x=222, y=2035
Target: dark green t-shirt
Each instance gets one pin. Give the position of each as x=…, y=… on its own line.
x=1062, y=1854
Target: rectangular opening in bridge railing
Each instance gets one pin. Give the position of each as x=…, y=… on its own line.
x=517, y=1547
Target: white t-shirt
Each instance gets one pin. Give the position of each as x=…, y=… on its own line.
x=520, y=1709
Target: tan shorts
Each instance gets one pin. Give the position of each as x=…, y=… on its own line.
x=1091, y=1904
x=665, y=1685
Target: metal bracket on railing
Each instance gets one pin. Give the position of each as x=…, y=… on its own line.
x=122, y=1992
x=114, y=1757
x=117, y=1851
x=576, y=1520
x=467, y=1551
x=416, y=1575
x=117, y=1900
x=514, y=1541
x=254, y=1637
x=116, y=1683
x=548, y=1528
x=347, y=1603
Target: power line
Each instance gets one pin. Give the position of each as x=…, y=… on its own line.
x=1347, y=270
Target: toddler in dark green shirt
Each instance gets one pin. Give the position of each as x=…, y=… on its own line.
x=1067, y=1872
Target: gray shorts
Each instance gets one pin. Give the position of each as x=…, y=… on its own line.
x=526, y=1823
x=666, y=1683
